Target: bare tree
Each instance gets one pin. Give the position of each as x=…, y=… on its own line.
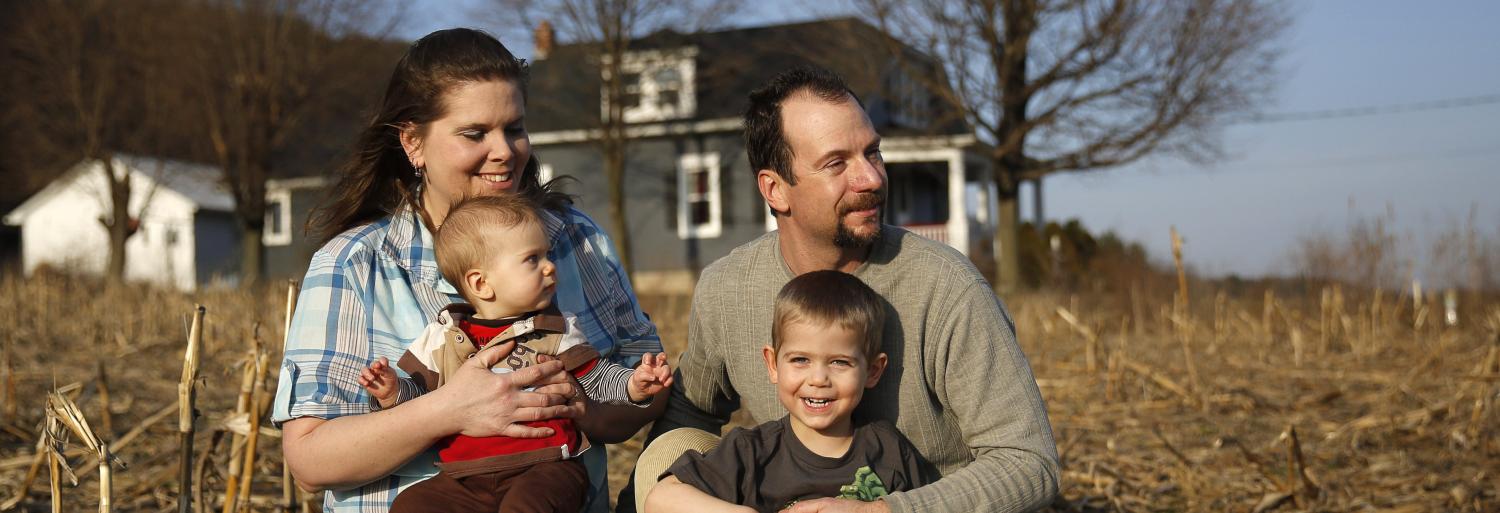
x=260, y=69
x=610, y=26
x=1079, y=85
x=78, y=73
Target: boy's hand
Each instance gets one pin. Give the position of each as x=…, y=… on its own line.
x=379, y=379
x=651, y=377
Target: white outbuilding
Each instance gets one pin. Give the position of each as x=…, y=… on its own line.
x=187, y=237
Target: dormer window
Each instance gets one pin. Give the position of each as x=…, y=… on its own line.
x=909, y=99
x=657, y=85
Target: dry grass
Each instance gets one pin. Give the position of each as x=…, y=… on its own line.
x=1331, y=402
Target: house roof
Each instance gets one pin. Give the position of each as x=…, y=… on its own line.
x=199, y=183
x=564, y=89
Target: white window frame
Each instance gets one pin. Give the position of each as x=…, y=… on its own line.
x=645, y=65
x=707, y=163
x=280, y=235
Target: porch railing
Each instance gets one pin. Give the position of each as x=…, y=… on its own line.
x=937, y=232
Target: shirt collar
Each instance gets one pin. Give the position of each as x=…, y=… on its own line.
x=409, y=244
x=552, y=225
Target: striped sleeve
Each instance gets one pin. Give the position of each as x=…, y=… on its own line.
x=406, y=390
x=608, y=382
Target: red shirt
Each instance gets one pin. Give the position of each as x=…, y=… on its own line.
x=463, y=448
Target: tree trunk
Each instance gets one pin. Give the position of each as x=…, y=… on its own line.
x=1010, y=158
x=614, y=169
x=118, y=224
x=614, y=140
x=1007, y=242
x=252, y=255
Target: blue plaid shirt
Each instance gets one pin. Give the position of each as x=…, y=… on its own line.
x=369, y=293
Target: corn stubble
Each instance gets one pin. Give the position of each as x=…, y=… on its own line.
x=1329, y=398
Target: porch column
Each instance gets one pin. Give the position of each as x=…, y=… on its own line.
x=1038, y=217
x=958, y=207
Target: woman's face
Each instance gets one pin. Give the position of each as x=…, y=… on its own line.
x=477, y=148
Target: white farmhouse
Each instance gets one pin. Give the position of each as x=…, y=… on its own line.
x=187, y=236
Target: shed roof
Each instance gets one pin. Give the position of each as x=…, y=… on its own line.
x=201, y=184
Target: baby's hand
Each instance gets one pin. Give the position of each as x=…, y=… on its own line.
x=651, y=377
x=379, y=379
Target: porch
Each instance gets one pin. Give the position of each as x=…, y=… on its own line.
x=942, y=189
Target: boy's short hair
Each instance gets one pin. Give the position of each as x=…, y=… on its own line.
x=828, y=298
x=466, y=235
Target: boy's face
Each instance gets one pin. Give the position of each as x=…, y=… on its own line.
x=820, y=374
x=518, y=272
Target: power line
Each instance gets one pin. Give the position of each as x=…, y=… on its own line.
x=1377, y=110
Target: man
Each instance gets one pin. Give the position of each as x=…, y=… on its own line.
x=958, y=385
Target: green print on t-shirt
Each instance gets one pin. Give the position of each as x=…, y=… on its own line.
x=866, y=487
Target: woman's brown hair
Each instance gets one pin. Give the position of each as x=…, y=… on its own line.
x=378, y=179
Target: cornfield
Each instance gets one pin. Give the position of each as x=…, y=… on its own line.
x=1327, y=399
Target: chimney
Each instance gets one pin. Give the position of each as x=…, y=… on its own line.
x=545, y=39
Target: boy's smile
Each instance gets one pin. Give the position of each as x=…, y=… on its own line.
x=820, y=374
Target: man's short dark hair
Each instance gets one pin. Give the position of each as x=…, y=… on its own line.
x=764, y=140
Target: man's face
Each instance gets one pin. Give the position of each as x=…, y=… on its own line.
x=840, y=174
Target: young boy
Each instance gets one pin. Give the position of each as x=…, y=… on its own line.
x=494, y=250
x=824, y=353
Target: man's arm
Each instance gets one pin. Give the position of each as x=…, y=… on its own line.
x=701, y=395
x=986, y=382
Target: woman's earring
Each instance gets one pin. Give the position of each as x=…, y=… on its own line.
x=420, y=171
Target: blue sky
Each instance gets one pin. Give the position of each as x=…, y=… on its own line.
x=1282, y=181
x=1285, y=180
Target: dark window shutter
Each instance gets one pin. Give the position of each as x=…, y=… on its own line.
x=727, y=192
x=669, y=209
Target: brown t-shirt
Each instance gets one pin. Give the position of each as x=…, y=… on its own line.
x=768, y=468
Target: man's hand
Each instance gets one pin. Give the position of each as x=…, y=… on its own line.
x=650, y=378
x=831, y=505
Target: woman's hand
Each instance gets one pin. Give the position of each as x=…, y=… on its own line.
x=352, y=450
x=483, y=403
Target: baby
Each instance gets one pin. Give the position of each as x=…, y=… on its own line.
x=494, y=251
x=824, y=353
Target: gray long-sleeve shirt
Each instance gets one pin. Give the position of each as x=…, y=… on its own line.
x=957, y=386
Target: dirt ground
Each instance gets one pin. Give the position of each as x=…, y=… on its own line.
x=1313, y=402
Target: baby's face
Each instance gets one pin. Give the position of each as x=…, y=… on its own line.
x=519, y=271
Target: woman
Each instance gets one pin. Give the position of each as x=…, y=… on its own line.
x=451, y=125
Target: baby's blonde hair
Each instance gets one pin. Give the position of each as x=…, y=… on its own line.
x=467, y=234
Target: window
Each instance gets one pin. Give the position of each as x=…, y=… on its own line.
x=699, y=212
x=657, y=85
x=278, y=227
x=909, y=100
